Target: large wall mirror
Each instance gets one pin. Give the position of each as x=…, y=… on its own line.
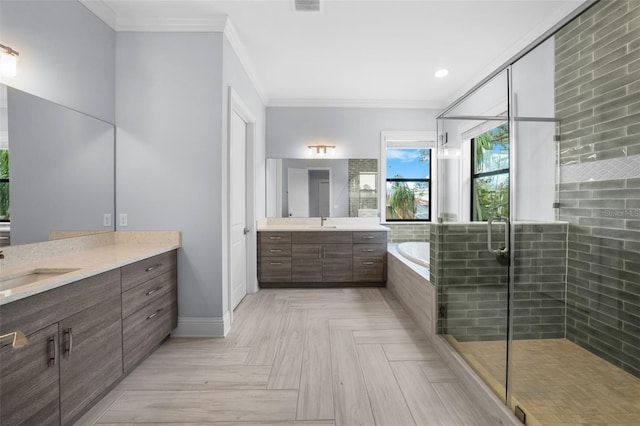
x=322, y=187
x=57, y=170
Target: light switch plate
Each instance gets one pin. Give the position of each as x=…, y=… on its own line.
x=106, y=219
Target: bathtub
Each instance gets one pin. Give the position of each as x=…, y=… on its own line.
x=417, y=252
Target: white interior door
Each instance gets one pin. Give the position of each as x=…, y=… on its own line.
x=298, y=189
x=238, y=209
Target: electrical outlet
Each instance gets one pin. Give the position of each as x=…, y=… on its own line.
x=123, y=220
x=106, y=219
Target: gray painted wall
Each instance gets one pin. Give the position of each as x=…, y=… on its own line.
x=67, y=54
x=355, y=131
x=172, y=152
x=169, y=152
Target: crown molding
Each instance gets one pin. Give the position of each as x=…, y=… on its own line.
x=102, y=11
x=215, y=24
x=355, y=103
x=237, y=46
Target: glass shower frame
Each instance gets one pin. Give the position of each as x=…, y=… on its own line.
x=511, y=243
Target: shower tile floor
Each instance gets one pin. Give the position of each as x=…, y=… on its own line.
x=556, y=382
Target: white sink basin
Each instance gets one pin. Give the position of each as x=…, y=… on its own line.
x=323, y=227
x=32, y=276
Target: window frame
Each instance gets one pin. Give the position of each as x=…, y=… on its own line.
x=409, y=140
x=473, y=175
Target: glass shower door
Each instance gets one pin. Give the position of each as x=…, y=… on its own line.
x=473, y=279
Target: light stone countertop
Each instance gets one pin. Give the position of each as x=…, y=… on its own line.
x=111, y=252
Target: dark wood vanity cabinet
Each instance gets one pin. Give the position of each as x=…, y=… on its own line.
x=74, y=352
x=149, y=306
x=29, y=377
x=90, y=356
x=274, y=259
x=302, y=258
x=81, y=338
x=322, y=256
x=369, y=256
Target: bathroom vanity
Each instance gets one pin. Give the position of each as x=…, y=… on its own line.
x=295, y=254
x=90, y=318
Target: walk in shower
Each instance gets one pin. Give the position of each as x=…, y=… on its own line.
x=536, y=253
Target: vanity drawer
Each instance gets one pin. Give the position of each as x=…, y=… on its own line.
x=134, y=299
x=370, y=269
x=144, y=270
x=369, y=250
x=269, y=249
x=145, y=329
x=274, y=237
x=369, y=237
x=321, y=237
x=274, y=269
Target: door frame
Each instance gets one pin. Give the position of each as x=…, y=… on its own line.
x=236, y=105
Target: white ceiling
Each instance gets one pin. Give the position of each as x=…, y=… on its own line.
x=356, y=52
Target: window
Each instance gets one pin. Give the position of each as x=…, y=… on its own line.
x=4, y=185
x=490, y=174
x=408, y=166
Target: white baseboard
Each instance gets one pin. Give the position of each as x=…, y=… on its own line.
x=202, y=327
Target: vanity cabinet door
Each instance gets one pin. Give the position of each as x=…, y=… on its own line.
x=90, y=356
x=306, y=263
x=337, y=264
x=29, y=380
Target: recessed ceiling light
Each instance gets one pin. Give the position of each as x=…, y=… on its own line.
x=442, y=73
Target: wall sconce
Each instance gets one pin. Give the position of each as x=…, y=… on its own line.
x=8, y=61
x=322, y=150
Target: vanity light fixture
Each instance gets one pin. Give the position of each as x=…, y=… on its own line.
x=322, y=150
x=8, y=61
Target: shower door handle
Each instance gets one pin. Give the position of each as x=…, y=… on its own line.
x=501, y=252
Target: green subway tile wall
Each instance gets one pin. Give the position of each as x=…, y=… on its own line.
x=597, y=87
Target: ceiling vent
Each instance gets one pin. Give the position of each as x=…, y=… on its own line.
x=306, y=5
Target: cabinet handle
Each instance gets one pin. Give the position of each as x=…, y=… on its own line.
x=150, y=292
x=151, y=268
x=18, y=339
x=52, y=350
x=367, y=263
x=68, y=341
x=275, y=250
x=275, y=238
x=275, y=263
x=367, y=250
x=155, y=313
x=369, y=237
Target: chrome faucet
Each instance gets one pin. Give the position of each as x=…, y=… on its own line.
x=322, y=220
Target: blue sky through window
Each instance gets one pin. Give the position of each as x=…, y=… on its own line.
x=406, y=163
